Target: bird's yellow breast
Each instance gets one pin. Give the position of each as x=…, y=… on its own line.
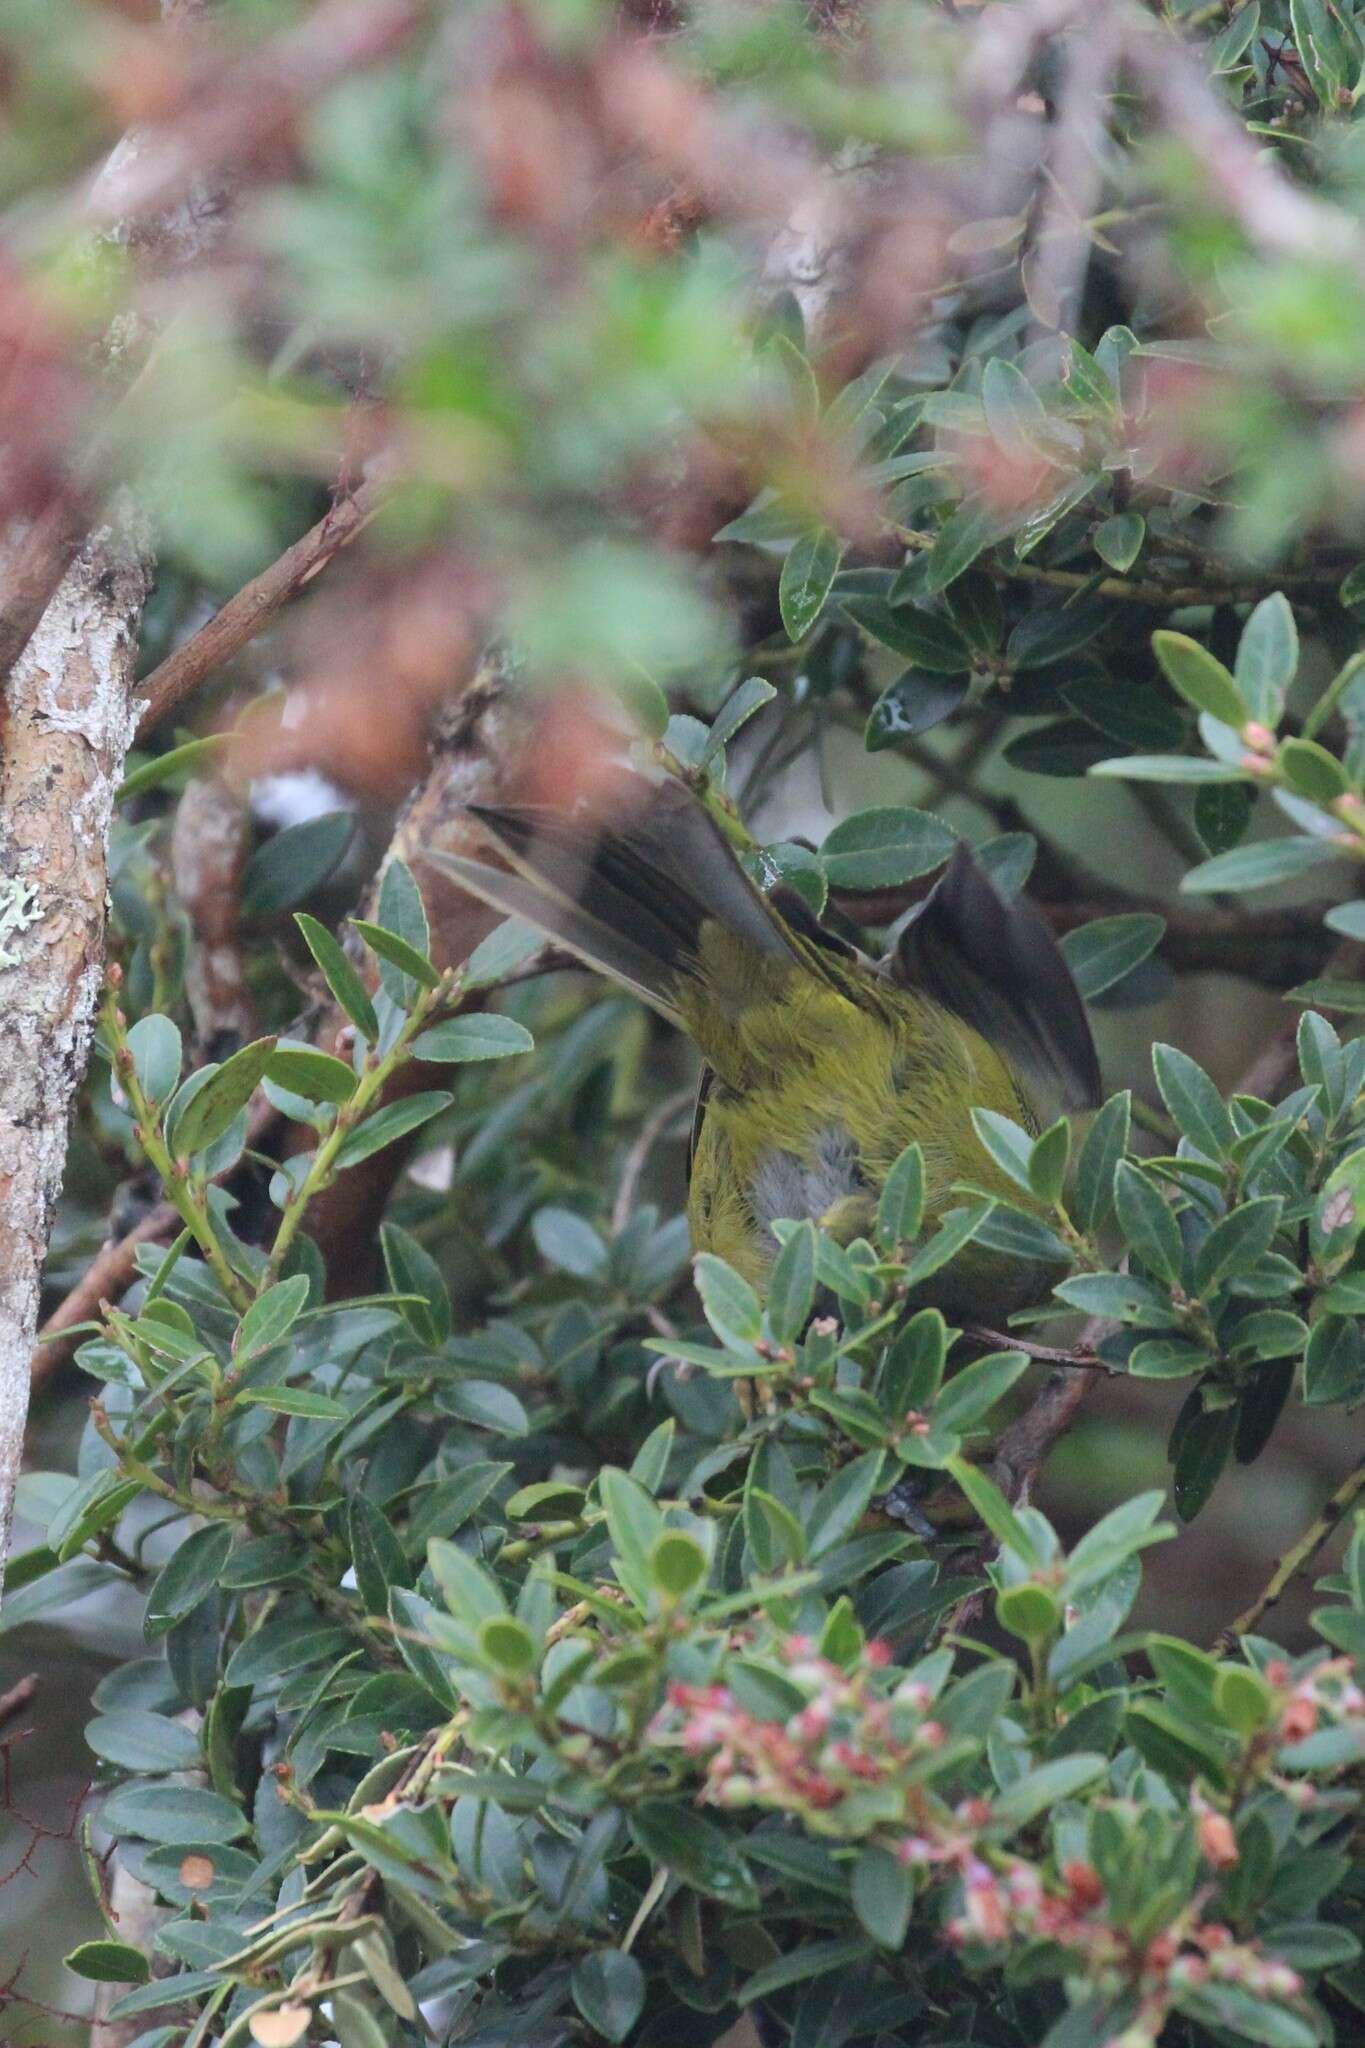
x=818, y=1092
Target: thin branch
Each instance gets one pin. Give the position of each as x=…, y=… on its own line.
x=651, y=1131
x=17, y=1697
x=1297, y=1558
x=1081, y=1359
x=107, y=1278
x=246, y=614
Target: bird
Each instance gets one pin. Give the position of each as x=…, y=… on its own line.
x=820, y=1064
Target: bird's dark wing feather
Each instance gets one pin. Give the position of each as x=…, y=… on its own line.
x=994, y=963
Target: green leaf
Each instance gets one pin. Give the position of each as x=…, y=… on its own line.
x=1195, y=1104
x=173, y=1813
x=1312, y=773
x=883, y=1894
x=1051, y=632
x=925, y=638
x=1261, y=865
x=976, y=610
x=1348, y=919
x=974, y=1391
x=634, y=1518
x=731, y=1306
x=1237, y=1243
x=677, y=1563
x=995, y=1512
x=294, y=863
x=412, y=1270
x=317, y=1076
x=340, y=976
x=1200, y=678
x=213, y=1107
x=961, y=538
x=1339, y=1214
x=1066, y=747
x=738, y=708
x=1009, y=1145
x=609, y=1987
x=1328, y=52
x=376, y=1555
x=810, y=567
x=471, y=1594
x=354, y=2024
x=508, y=1645
x=401, y=913
x=915, y=703
x=1048, y=1162
x=157, y=1056
x=1168, y=768
x=880, y=849
x=271, y=1317
x=488, y=1405
x=396, y=952
x=508, y=946
x=303, y=1401
x=1246, y=2016
x=389, y=1124
x=1268, y=658
x=791, y=1287
x=1167, y=1358
x=109, y=1962
x=1203, y=1446
x=177, y=764
x=1346, y=996
x=695, y=1850
x=188, y=1577
x=1123, y=1296
x=900, y=1207
x=1015, y=414
x=1118, y=541
x=957, y=1229
x=1221, y=815
x=570, y=1242
x=1148, y=1223
x=1045, y=1787
x=841, y=1504
x=139, y=1741
x=1101, y=953
x=1106, y=1143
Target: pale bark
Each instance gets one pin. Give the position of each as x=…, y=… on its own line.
x=67, y=728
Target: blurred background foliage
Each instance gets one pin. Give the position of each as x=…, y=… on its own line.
x=920, y=362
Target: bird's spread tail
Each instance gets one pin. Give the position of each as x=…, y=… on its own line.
x=630, y=895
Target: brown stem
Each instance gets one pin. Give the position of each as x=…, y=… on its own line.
x=107, y=1278
x=244, y=615
x=13, y=1701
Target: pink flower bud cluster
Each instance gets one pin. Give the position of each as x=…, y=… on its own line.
x=846, y=1738
x=845, y=1762
x=1328, y=1697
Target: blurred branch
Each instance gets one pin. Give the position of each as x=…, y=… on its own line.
x=255, y=604
x=210, y=841
x=17, y=1697
x=250, y=103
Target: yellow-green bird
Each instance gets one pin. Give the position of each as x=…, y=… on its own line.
x=821, y=1065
